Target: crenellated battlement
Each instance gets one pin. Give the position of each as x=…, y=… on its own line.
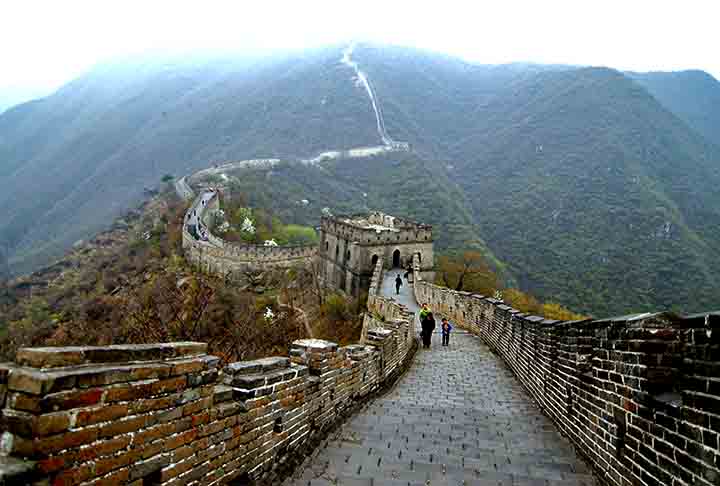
x=170, y=414
x=637, y=395
x=351, y=246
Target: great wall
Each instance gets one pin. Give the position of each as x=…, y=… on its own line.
x=514, y=399
x=212, y=254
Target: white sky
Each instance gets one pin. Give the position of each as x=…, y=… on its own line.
x=45, y=43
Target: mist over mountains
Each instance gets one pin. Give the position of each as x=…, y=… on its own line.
x=589, y=186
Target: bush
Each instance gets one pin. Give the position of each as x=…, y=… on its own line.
x=335, y=308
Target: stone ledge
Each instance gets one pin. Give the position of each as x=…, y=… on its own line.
x=59, y=357
x=16, y=471
x=51, y=380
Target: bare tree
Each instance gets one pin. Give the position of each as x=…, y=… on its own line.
x=468, y=271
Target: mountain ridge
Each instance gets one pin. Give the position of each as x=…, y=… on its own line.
x=501, y=141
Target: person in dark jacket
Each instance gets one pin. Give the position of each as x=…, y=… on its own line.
x=445, y=327
x=398, y=284
x=428, y=326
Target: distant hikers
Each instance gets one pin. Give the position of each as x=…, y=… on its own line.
x=398, y=284
x=428, y=326
x=445, y=328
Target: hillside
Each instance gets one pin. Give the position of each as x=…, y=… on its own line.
x=595, y=195
x=75, y=159
x=586, y=186
x=694, y=96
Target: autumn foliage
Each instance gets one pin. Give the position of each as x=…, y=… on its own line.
x=470, y=272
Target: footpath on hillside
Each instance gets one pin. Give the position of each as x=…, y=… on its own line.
x=457, y=417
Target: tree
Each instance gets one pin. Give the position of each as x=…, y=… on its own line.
x=522, y=301
x=468, y=271
x=167, y=178
x=551, y=310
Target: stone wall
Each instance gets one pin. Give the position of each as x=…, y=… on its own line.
x=348, y=252
x=168, y=414
x=409, y=231
x=233, y=260
x=183, y=189
x=639, y=396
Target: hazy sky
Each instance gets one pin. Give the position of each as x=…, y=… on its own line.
x=45, y=43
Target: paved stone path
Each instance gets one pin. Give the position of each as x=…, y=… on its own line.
x=406, y=296
x=458, y=417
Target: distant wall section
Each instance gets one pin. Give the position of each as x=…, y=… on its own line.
x=212, y=254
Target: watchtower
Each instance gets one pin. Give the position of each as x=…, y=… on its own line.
x=350, y=246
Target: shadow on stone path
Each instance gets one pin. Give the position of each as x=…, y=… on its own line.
x=458, y=417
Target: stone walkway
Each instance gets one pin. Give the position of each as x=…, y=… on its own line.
x=458, y=417
x=406, y=296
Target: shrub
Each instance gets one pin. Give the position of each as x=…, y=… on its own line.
x=335, y=308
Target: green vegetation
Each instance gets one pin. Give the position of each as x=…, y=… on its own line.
x=122, y=287
x=585, y=186
x=256, y=226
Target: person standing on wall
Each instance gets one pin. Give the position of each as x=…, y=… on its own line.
x=424, y=311
x=445, y=328
x=428, y=326
x=398, y=284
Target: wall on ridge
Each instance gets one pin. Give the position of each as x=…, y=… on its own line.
x=639, y=396
x=167, y=414
x=183, y=189
x=233, y=260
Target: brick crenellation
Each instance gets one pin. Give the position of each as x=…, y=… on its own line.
x=639, y=395
x=169, y=414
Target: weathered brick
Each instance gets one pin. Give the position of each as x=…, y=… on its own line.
x=56, y=443
x=71, y=399
x=124, y=426
x=144, y=468
x=100, y=414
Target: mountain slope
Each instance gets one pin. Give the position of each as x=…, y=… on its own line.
x=587, y=187
x=71, y=161
x=595, y=194
x=694, y=96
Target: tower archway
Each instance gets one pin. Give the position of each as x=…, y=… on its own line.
x=396, y=258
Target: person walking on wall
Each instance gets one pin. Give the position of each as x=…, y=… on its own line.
x=445, y=327
x=424, y=311
x=428, y=326
x=398, y=284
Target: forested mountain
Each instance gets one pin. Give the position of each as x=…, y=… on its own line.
x=71, y=161
x=694, y=96
x=590, y=186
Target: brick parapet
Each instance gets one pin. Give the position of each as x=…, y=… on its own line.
x=639, y=396
x=167, y=414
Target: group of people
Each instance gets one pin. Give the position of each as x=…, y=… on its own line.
x=427, y=322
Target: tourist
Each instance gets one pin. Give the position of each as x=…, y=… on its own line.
x=428, y=326
x=424, y=311
x=445, y=328
x=398, y=284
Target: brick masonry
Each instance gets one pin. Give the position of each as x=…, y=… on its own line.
x=168, y=414
x=639, y=396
